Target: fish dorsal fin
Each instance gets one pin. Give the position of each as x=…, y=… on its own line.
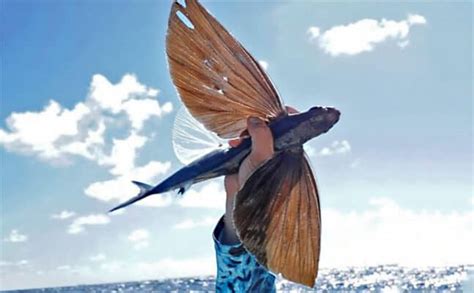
x=191, y=139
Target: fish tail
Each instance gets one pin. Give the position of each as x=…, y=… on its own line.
x=145, y=190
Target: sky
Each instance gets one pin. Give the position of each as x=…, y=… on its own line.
x=87, y=105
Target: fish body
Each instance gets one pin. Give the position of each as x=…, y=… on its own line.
x=288, y=131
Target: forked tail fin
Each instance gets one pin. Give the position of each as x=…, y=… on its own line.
x=144, y=192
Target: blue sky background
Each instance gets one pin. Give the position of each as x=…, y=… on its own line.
x=401, y=155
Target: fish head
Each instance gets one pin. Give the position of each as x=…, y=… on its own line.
x=324, y=117
x=296, y=129
x=320, y=120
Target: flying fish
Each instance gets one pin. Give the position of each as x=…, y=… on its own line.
x=277, y=211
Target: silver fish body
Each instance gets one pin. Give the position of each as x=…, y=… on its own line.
x=288, y=131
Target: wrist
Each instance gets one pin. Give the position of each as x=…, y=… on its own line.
x=229, y=234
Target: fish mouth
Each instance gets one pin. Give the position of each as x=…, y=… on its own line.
x=332, y=115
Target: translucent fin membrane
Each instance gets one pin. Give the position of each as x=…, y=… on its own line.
x=191, y=139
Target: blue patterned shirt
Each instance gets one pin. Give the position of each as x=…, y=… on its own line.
x=237, y=269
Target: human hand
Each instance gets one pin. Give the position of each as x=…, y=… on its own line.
x=262, y=150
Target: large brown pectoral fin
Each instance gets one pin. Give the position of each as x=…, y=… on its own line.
x=218, y=80
x=277, y=217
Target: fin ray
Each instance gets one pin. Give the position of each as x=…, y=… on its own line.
x=191, y=139
x=217, y=79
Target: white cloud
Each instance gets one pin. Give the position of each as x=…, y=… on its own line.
x=112, y=97
x=91, y=147
x=139, y=235
x=113, y=267
x=403, y=44
x=38, y=132
x=123, y=154
x=19, y=263
x=16, y=236
x=313, y=32
x=70, y=270
x=416, y=19
x=141, y=110
x=63, y=215
x=190, y=223
x=167, y=268
x=207, y=195
x=77, y=226
x=264, y=64
x=118, y=189
x=121, y=188
x=118, y=213
x=23, y=262
x=113, y=270
x=164, y=268
x=57, y=134
x=363, y=35
x=355, y=163
x=336, y=147
x=139, y=238
x=210, y=195
x=63, y=268
x=386, y=233
x=98, y=258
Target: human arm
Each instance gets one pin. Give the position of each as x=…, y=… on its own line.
x=262, y=150
x=237, y=269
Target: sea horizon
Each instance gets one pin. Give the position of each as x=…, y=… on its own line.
x=381, y=278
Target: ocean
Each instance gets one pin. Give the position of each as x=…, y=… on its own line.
x=387, y=278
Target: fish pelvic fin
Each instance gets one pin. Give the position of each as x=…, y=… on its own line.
x=144, y=192
x=184, y=187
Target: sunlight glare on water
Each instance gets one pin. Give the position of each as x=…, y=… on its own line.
x=390, y=278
